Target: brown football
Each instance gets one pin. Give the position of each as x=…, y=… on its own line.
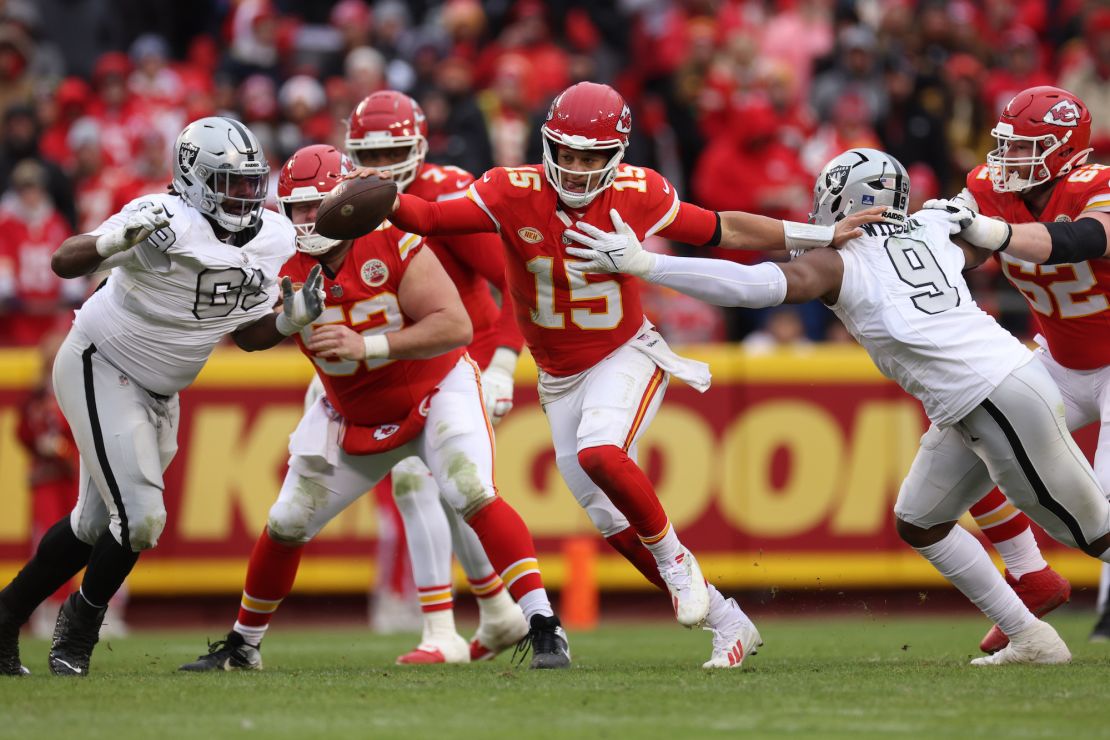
x=355, y=207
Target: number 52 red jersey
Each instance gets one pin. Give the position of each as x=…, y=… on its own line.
x=1070, y=302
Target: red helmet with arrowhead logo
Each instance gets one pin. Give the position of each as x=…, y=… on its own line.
x=388, y=119
x=586, y=116
x=310, y=174
x=1043, y=133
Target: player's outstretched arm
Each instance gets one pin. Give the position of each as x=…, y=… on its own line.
x=742, y=230
x=429, y=298
x=1053, y=243
x=432, y=218
x=816, y=274
x=84, y=254
x=297, y=310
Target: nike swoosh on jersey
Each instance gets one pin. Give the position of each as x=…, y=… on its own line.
x=461, y=183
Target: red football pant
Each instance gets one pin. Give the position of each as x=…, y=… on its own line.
x=618, y=475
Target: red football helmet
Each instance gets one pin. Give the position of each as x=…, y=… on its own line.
x=310, y=174
x=1049, y=128
x=585, y=116
x=388, y=119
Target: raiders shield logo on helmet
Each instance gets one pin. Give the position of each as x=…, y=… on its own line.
x=836, y=178
x=187, y=155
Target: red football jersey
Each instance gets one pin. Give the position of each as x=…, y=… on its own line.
x=571, y=321
x=1069, y=302
x=473, y=262
x=363, y=295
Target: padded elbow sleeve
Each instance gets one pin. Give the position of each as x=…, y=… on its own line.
x=1076, y=241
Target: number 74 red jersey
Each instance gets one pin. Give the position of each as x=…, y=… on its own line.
x=1071, y=303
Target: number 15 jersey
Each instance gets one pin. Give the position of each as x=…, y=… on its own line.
x=1070, y=302
x=165, y=308
x=571, y=321
x=903, y=296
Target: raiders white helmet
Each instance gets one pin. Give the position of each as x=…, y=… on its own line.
x=859, y=179
x=220, y=169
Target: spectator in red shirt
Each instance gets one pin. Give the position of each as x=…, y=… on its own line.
x=30, y=230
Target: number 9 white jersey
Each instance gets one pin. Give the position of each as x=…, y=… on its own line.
x=171, y=299
x=903, y=296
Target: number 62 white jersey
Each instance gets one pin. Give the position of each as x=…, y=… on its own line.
x=172, y=298
x=904, y=298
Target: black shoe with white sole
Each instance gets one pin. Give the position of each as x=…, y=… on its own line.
x=10, y=664
x=548, y=642
x=230, y=654
x=75, y=635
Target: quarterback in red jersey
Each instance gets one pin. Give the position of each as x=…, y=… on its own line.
x=388, y=348
x=388, y=129
x=1037, y=177
x=603, y=367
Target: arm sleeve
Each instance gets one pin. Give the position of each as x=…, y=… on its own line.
x=483, y=254
x=694, y=225
x=721, y=282
x=436, y=218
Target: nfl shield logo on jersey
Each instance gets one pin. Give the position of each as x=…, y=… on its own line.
x=374, y=273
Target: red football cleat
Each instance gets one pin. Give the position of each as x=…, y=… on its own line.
x=1041, y=591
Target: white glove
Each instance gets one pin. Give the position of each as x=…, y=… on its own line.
x=616, y=251
x=301, y=308
x=977, y=230
x=497, y=384
x=141, y=224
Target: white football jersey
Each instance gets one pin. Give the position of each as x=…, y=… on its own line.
x=905, y=300
x=163, y=311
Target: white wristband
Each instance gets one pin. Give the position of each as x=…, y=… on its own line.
x=987, y=233
x=109, y=244
x=377, y=346
x=806, y=236
x=285, y=326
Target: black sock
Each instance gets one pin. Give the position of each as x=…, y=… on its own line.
x=59, y=557
x=109, y=565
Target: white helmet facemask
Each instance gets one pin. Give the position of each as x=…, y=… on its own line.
x=596, y=180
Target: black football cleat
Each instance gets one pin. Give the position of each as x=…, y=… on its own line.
x=229, y=654
x=75, y=636
x=10, y=664
x=548, y=642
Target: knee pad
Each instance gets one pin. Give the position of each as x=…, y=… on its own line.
x=143, y=531
x=290, y=517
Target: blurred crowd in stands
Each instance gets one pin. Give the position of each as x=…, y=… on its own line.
x=738, y=102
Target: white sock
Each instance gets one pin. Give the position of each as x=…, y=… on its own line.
x=535, y=602
x=962, y=560
x=1021, y=554
x=439, y=623
x=251, y=635
x=722, y=611
x=468, y=548
x=1103, y=587
x=494, y=607
x=666, y=548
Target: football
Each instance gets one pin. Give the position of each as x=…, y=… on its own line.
x=355, y=207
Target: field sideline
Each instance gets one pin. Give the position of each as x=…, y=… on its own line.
x=842, y=677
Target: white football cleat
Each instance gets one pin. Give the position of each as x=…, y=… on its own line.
x=497, y=634
x=439, y=649
x=689, y=594
x=1037, y=643
x=733, y=642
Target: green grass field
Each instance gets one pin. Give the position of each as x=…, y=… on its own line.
x=843, y=677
